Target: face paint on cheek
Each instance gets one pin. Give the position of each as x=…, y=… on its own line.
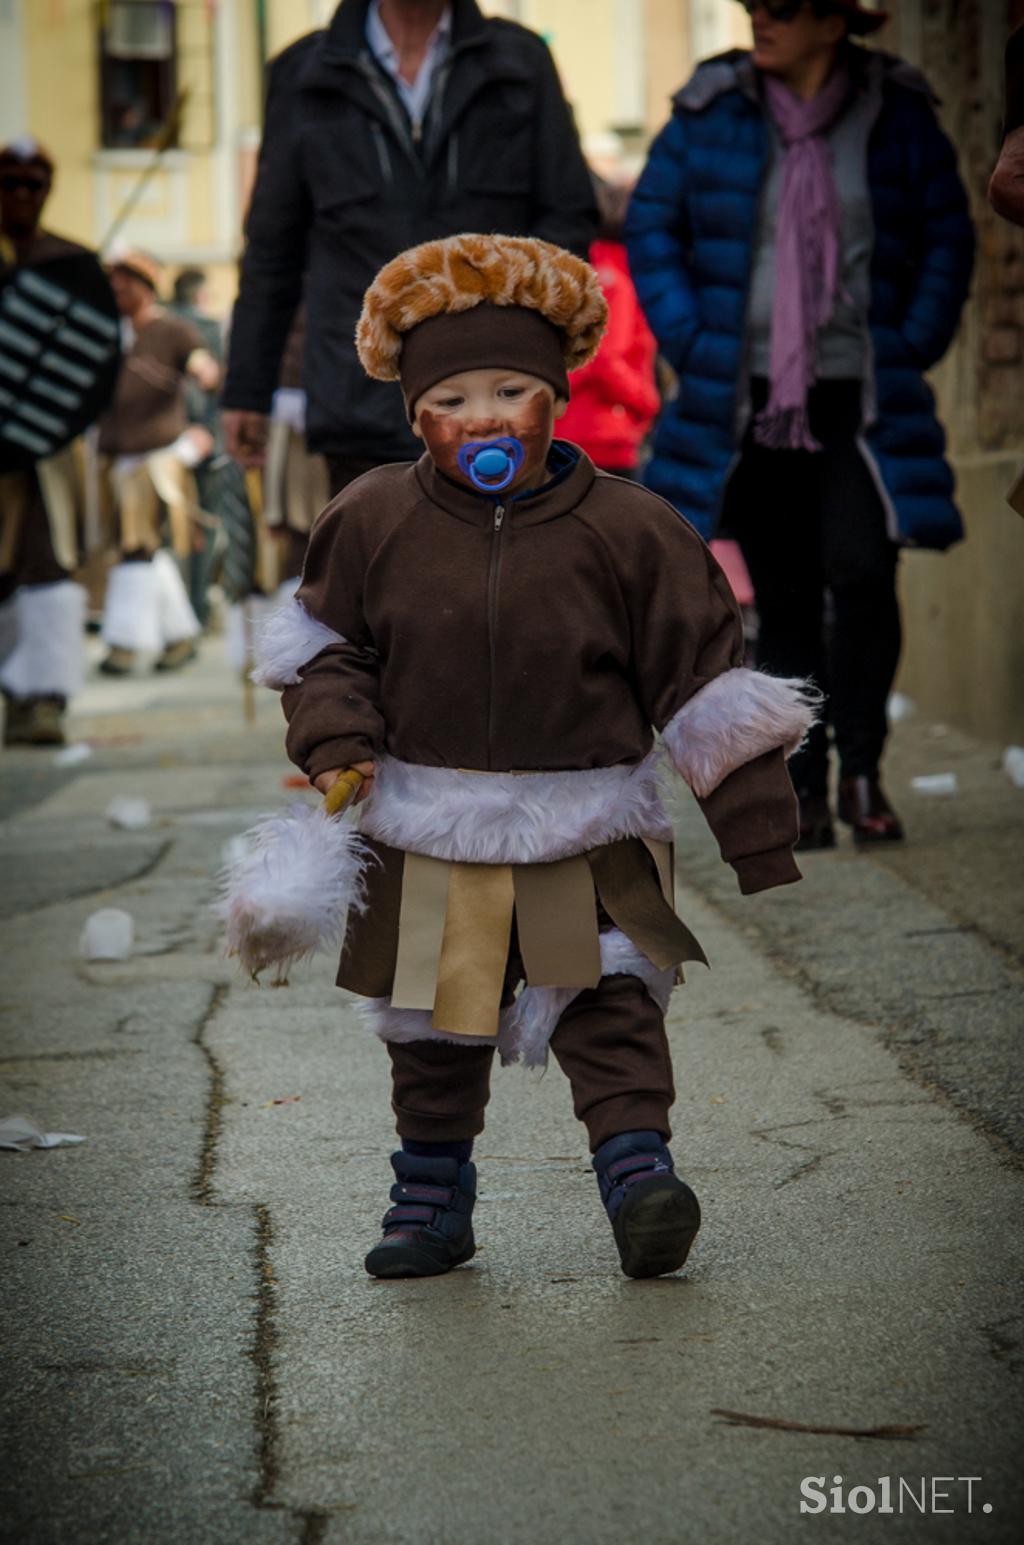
x=443, y=437
x=534, y=426
x=531, y=422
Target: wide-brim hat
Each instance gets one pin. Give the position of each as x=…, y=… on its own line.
x=470, y=302
x=142, y=265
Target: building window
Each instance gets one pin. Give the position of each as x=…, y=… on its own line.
x=138, y=71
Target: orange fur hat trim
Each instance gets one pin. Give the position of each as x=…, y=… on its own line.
x=453, y=275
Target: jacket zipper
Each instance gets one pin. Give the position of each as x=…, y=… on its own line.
x=382, y=153
x=492, y=625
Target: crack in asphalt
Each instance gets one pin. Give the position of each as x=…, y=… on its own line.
x=262, y=1354
x=264, y=1337
x=151, y=864
x=202, y=1182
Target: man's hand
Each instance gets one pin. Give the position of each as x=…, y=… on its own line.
x=326, y=780
x=245, y=434
x=203, y=369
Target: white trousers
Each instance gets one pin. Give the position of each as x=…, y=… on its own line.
x=41, y=640
x=147, y=606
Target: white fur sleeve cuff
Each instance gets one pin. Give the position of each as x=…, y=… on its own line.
x=738, y=716
x=287, y=641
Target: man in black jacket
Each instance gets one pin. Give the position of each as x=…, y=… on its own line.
x=403, y=121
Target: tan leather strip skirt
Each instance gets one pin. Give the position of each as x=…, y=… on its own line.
x=437, y=935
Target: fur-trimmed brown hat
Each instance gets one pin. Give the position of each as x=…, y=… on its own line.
x=471, y=302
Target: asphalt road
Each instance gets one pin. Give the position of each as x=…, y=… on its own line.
x=194, y=1353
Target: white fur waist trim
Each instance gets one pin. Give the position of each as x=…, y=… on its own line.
x=524, y=1028
x=511, y=818
x=733, y=719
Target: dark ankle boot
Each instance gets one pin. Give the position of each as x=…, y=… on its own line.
x=864, y=807
x=815, y=824
x=654, y=1215
x=430, y=1227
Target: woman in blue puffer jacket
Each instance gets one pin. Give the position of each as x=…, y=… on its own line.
x=801, y=245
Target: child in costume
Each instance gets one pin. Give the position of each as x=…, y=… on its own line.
x=491, y=636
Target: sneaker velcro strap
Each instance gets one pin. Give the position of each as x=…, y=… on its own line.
x=407, y=1214
x=631, y=1164
x=437, y=1196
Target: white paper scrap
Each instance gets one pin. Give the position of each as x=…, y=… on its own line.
x=129, y=812
x=20, y=1133
x=1013, y=765
x=73, y=754
x=934, y=783
x=108, y=935
x=900, y=708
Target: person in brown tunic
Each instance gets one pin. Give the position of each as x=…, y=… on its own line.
x=492, y=636
x=42, y=610
x=147, y=449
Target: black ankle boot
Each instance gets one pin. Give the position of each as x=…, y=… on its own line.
x=816, y=829
x=430, y=1227
x=654, y=1215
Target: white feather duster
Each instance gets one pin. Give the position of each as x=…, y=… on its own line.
x=288, y=895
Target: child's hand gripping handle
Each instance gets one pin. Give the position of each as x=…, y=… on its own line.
x=342, y=791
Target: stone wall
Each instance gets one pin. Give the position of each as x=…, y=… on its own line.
x=964, y=611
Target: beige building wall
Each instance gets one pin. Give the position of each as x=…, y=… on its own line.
x=964, y=610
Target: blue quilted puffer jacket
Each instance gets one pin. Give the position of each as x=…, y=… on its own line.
x=691, y=231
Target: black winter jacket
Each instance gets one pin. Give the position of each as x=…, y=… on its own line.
x=342, y=187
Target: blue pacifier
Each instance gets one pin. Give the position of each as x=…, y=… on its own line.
x=491, y=465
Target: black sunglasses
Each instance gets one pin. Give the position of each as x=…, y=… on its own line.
x=10, y=182
x=786, y=10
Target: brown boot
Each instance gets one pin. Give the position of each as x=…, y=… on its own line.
x=863, y=806
x=177, y=655
x=45, y=722
x=16, y=712
x=34, y=721
x=119, y=662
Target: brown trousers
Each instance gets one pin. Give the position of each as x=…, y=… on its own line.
x=610, y=1043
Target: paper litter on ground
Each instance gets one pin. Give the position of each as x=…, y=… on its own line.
x=70, y=756
x=1013, y=765
x=21, y=1133
x=129, y=812
x=934, y=783
x=108, y=935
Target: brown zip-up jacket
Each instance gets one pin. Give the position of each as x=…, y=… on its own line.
x=550, y=633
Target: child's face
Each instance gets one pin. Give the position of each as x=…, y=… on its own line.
x=481, y=405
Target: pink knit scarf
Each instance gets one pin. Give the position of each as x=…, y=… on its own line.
x=807, y=239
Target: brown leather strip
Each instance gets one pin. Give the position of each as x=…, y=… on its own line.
x=421, y=929
x=556, y=917
x=631, y=895
x=664, y=855
x=371, y=938
x=176, y=487
x=137, y=509
x=14, y=498
x=477, y=933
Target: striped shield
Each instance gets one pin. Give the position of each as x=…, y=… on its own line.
x=59, y=355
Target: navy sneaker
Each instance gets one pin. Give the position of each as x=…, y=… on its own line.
x=430, y=1227
x=654, y=1215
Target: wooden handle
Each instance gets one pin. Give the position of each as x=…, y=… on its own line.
x=342, y=791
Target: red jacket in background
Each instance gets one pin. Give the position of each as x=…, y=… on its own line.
x=614, y=398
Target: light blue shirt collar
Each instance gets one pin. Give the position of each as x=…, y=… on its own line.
x=416, y=95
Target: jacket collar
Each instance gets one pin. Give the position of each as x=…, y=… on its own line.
x=734, y=71
x=342, y=59
x=346, y=32
x=556, y=498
